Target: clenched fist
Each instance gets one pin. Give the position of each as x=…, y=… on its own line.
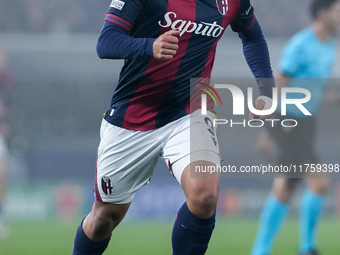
x=166, y=45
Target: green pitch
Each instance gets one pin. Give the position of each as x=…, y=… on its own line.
x=231, y=236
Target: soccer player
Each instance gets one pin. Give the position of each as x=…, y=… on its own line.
x=309, y=54
x=164, y=44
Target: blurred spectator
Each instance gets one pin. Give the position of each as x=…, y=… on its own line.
x=6, y=77
x=37, y=17
x=86, y=15
x=6, y=83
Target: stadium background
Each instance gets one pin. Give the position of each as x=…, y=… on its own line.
x=62, y=89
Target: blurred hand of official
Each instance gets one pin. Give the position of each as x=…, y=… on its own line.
x=265, y=144
x=166, y=45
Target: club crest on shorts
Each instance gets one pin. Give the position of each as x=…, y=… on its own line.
x=107, y=186
x=222, y=6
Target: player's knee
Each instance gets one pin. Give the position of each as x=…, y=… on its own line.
x=284, y=188
x=201, y=194
x=97, y=227
x=205, y=198
x=106, y=217
x=102, y=223
x=325, y=185
x=320, y=185
x=208, y=198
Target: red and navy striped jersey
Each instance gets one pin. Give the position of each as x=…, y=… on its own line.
x=151, y=92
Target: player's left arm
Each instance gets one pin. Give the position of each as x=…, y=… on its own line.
x=256, y=53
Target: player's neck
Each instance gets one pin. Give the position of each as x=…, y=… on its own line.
x=321, y=32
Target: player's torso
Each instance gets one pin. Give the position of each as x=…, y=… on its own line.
x=201, y=22
x=207, y=18
x=159, y=90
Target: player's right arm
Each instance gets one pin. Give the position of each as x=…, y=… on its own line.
x=265, y=144
x=115, y=41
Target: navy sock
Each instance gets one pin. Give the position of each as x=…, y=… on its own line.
x=85, y=246
x=191, y=235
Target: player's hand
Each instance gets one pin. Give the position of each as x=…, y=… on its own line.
x=265, y=144
x=166, y=45
x=259, y=106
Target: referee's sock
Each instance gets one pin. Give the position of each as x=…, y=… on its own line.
x=310, y=212
x=191, y=235
x=272, y=218
x=85, y=246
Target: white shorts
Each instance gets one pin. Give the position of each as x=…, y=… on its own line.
x=126, y=158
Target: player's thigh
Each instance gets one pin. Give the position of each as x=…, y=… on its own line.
x=297, y=144
x=126, y=160
x=193, y=139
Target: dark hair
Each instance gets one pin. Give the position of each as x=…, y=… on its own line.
x=318, y=5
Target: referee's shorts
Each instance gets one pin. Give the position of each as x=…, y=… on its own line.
x=296, y=144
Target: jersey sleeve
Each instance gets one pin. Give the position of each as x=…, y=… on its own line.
x=125, y=13
x=291, y=58
x=245, y=18
x=255, y=47
x=115, y=40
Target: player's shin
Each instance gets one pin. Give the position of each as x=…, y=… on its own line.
x=191, y=235
x=85, y=246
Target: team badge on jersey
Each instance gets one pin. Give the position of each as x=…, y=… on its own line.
x=222, y=6
x=117, y=4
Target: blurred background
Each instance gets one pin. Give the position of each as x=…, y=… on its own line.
x=54, y=90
